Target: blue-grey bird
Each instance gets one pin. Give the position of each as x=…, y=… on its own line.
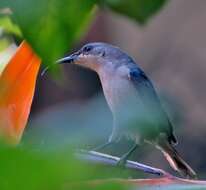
x=136, y=108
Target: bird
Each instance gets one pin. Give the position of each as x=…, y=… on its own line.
x=135, y=105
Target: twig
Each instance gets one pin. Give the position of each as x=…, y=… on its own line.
x=97, y=157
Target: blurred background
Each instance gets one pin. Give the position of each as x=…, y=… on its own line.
x=170, y=48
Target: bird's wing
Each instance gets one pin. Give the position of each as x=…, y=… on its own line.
x=151, y=101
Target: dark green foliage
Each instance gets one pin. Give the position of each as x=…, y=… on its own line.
x=139, y=10
x=28, y=168
x=50, y=26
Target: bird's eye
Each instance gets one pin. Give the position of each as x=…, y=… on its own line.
x=87, y=48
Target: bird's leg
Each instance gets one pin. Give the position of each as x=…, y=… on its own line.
x=112, y=139
x=102, y=146
x=123, y=159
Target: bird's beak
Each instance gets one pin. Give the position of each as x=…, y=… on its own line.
x=78, y=58
x=69, y=59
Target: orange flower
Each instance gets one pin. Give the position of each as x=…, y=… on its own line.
x=17, y=84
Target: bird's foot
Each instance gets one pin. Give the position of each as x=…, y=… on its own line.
x=100, y=147
x=122, y=161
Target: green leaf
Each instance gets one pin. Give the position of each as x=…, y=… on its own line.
x=9, y=27
x=140, y=10
x=51, y=26
x=3, y=4
x=4, y=43
x=27, y=168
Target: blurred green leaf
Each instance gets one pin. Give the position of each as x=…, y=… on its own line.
x=8, y=26
x=3, y=4
x=51, y=26
x=4, y=43
x=28, y=168
x=140, y=10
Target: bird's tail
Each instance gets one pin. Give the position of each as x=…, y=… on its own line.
x=175, y=161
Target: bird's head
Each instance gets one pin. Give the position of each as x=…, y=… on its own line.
x=97, y=55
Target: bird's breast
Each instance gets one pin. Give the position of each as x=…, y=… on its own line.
x=120, y=93
x=130, y=116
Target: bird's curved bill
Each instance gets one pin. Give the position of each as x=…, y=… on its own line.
x=69, y=59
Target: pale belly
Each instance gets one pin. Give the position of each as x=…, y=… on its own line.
x=120, y=94
x=126, y=106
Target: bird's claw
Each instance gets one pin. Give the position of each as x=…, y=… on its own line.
x=121, y=162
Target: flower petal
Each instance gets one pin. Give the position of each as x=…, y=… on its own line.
x=17, y=84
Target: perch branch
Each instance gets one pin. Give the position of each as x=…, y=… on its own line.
x=100, y=158
x=165, y=178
